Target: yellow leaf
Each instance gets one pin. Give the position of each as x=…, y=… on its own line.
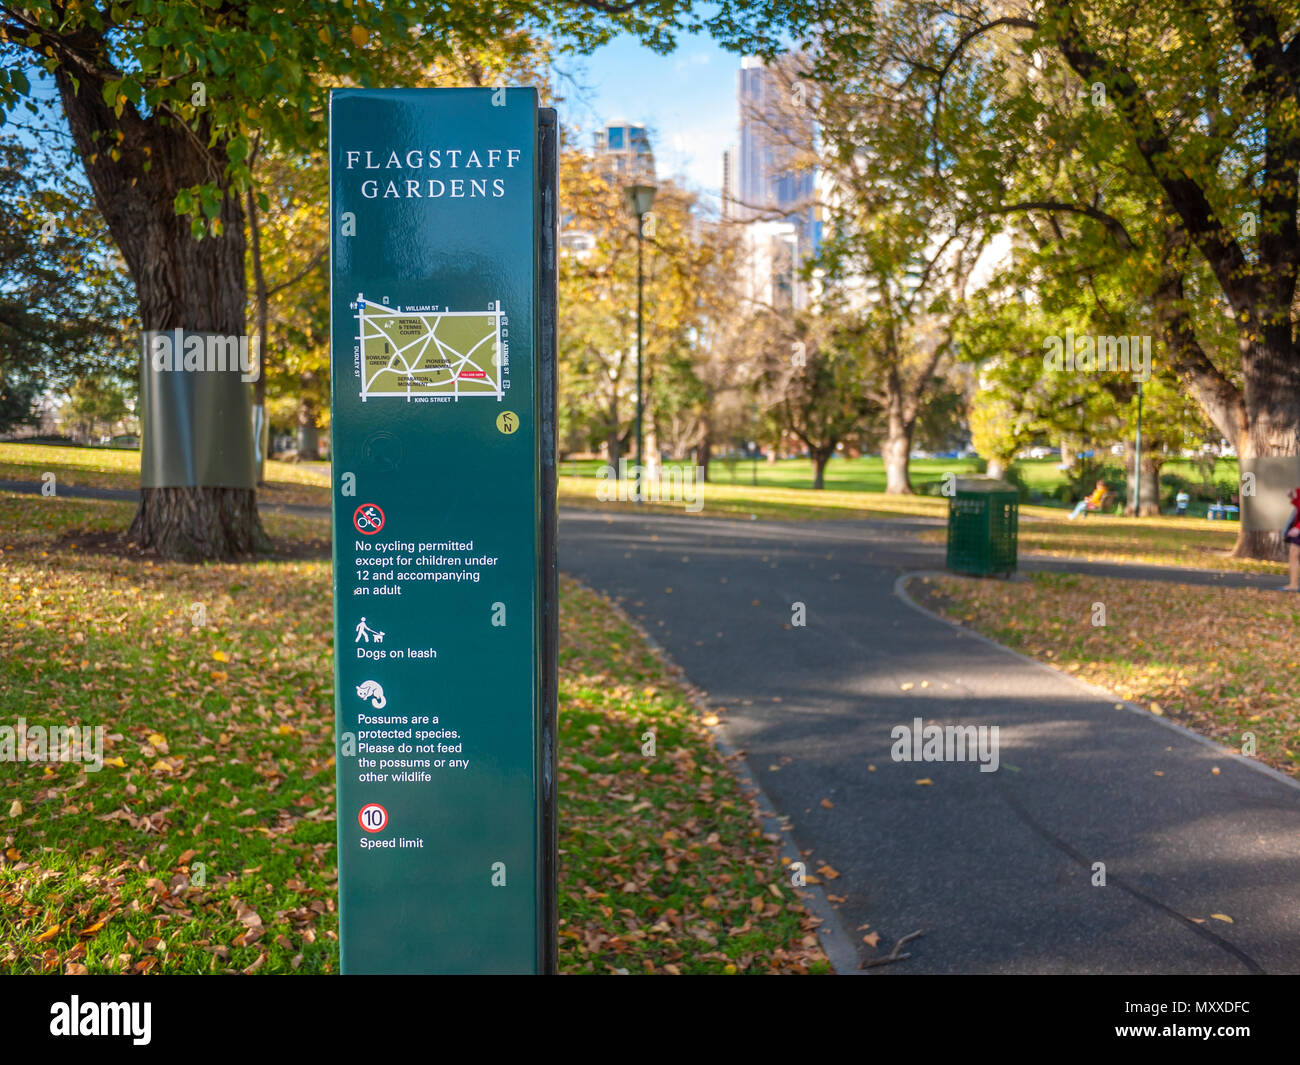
x=156, y=738
x=116, y=762
x=829, y=872
x=925, y=782
x=48, y=934
x=908, y=686
x=286, y=730
x=221, y=656
x=360, y=35
x=1222, y=917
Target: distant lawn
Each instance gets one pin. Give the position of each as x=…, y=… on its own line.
x=105, y=467
x=206, y=843
x=1220, y=660
x=842, y=475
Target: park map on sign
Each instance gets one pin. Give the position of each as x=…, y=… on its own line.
x=415, y=353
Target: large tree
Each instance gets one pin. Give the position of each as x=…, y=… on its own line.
x=163, y=101
x=1197, y=104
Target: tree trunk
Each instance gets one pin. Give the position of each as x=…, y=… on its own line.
x=612, y=440
x=260, y=423
x=704, y=452
x=1067, y=454
x=895, y=451
x=820, y=456
x=308, y=438
x=181, y=283
x=996, y=469
x=1149, y=504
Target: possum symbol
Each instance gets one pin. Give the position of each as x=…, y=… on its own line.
x=373, y=691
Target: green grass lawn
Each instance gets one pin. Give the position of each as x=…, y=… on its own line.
x=1219, y=660
x=842, y=475
x=206, y=843
x=104, y=467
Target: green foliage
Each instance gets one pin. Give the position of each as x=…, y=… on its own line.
x=63, y=307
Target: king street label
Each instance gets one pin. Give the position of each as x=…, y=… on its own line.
x=434, y=321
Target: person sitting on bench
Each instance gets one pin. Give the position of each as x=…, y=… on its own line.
x=1092, y=502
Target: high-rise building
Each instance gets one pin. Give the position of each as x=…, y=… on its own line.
x=623, y=153
x=769, y=184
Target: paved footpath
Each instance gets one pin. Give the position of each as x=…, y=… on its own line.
x=995, y=868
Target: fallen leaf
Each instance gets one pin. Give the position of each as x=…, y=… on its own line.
x=908, y=686
x=925, y=782
x=828, y=804
x=871, y=939
x=1222, y=917
x=15, y=809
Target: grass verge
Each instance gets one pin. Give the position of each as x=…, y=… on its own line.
x=1218, y=660
x=104, y=467
x=206, y=843
x=1193, y=542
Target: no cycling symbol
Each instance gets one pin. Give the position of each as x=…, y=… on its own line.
x=368, y=519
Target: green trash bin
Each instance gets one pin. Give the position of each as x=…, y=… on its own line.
x=983, y=521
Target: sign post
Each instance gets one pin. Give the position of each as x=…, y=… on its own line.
x=443, y=226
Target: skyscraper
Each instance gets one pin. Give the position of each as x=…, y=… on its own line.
x=769, y=185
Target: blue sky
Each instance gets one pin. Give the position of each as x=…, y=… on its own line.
x=686, y=99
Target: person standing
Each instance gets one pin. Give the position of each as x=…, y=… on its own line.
x=1291, y=534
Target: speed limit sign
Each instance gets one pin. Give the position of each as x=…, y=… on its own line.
x=373, y=817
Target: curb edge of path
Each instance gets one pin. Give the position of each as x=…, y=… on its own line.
x=833, y=934
x=900, y=590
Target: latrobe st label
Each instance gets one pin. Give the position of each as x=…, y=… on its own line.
x=437, y=542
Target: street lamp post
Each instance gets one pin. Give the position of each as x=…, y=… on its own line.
x=640, y=198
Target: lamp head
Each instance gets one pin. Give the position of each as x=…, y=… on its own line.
x=639, y=198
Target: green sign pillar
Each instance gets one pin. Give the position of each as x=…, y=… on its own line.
x=443, y=229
